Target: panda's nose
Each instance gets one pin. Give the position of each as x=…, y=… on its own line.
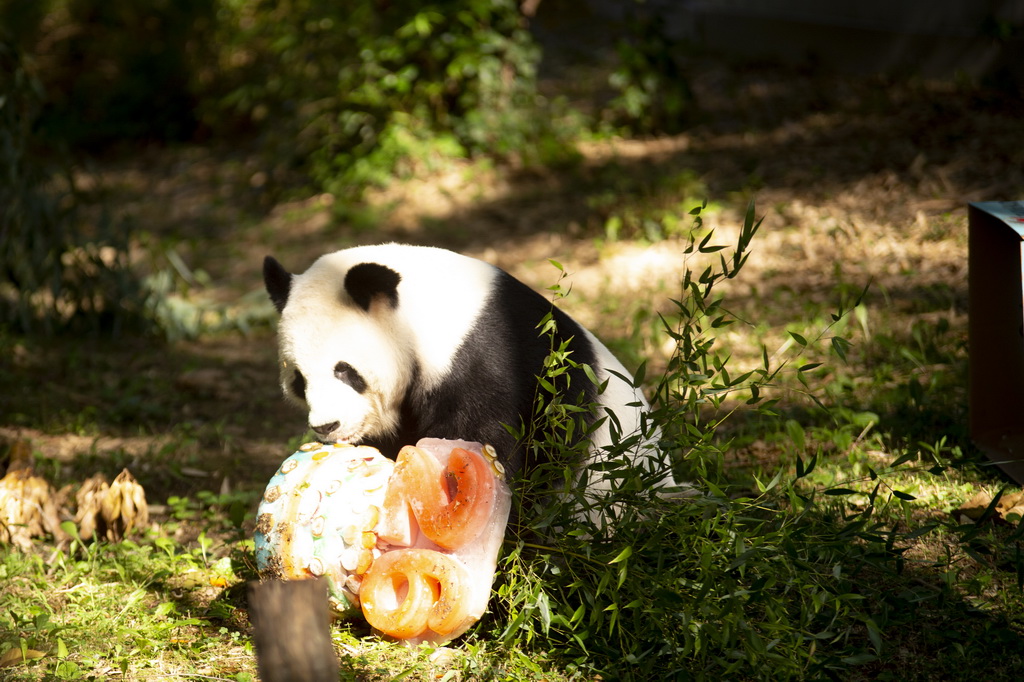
x=325, y=429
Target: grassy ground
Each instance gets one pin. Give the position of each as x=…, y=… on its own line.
x=860, y=183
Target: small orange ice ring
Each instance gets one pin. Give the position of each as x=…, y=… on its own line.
x=409, y=591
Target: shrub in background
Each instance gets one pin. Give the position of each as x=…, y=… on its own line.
x=652, y=93
x=114, y=71
x=344, y=93
x=57, y=270
x=352, y=91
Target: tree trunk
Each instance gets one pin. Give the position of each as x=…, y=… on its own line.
x=292, y=631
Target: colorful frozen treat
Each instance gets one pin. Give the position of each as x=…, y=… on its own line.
x=412, y=544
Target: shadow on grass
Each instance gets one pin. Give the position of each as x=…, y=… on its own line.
x=182, y=417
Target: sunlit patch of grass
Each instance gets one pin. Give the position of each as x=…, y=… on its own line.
x=116, y=609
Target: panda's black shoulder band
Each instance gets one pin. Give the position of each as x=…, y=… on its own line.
x=366, y=281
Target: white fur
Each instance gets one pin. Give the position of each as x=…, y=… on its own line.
x=628, y=404
x=440, y=295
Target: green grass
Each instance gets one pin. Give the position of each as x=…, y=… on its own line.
x=136, y=611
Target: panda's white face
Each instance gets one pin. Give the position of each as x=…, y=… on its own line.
x=347, y=380
x=347, y=365
x=354, y=333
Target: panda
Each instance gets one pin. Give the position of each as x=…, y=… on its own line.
x=386, y=344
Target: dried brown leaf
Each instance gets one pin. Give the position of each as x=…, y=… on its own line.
x=29, y=506
x=15, y=656
x=1009, y=507
x=974, y=508
x=89, y=500
x=124, y=507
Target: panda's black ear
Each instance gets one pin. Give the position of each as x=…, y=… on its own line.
x=278, y=282
x=367, y=281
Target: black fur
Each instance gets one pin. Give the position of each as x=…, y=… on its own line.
x=351, y=376
x=366, y=281
x=299, y=385
x=278, y=281
x=493, y=377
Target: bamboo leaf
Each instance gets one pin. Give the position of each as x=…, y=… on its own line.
x=623, y=555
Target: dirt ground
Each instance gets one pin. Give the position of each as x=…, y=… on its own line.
x=858, y=180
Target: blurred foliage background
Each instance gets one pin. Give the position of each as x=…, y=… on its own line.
x=331, y=97
x=335, y=96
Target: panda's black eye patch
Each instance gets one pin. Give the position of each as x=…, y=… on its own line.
x=298, y=386
x=348, y=374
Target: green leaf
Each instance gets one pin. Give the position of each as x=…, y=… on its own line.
x=623, y=555
x=771, y=484
x=905, y=457
x=840, y=491
x=544, y=608
x=70, y=528
x=798, y=338
x=840, y=346
x=512, y=627
x=640, y=374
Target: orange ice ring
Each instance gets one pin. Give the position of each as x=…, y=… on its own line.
x=451, y=504
x=410, y=591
